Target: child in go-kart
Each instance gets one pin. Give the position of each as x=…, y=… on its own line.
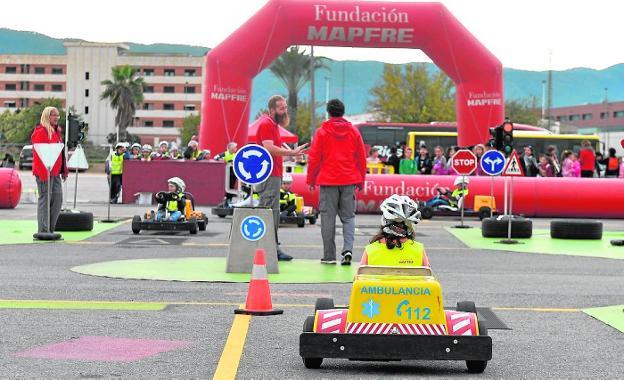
x=394, y=244
x=448, y=198
x=171, y=203
x=288, y=203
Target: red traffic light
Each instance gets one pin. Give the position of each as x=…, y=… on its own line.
x=508, y=127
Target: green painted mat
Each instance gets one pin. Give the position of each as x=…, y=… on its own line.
x=542, y=243
x=81, y=305
x=212, y=269
x=21, y=231
x=611, y=315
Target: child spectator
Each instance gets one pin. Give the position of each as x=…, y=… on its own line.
x=439, y=161
x=407, y=164
x=544, y=167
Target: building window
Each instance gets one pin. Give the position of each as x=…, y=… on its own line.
x=39, y=70
x=57, y=87
x=148, y=106
x=168, y=107
x=148, y=72
x=24, y=86
x=86, y=75
x=189, y=89
x=148, y=123
x=189, y=107
x=10, y=87
x=23, y=103
x=86, y=110
x=9, y=103
x=168, y=123
x=25, y=69
x=169, y=89
x=618, y=114
x=86, y=92
x=575, y=117
x=169, y=72
x=604, y=115
x=587, y=116
x=148, y=89
x=57, y=70
x=11, y=70
x=39, y=87
x=189, y=72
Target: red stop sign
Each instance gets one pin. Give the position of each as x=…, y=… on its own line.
x=464, y=162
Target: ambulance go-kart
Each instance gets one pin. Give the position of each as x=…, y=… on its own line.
x=192, y=220
x=395, y=313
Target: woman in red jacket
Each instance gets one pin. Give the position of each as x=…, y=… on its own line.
x=48, y=132
x=587, y=158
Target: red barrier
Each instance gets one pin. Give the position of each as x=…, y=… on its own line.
x=204, y=179
x=231, y=65
x=541, y=197
x=10, y=188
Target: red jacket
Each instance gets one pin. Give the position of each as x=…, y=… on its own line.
x=337, y=156
x=587, y=159
x=40, y=136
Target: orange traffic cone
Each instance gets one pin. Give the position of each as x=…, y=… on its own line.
x=259, y=294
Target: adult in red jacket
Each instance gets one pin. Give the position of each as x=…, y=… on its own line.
x=337, y=163
x=48, y=132
x=587, y=158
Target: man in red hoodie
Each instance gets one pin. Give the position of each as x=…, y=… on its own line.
x=337, y=163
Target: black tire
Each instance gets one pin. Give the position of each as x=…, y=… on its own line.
x=324, y=304
x=301, y=221
x=493, y=227
x=136, y=224
x=466, y=306
x=74, y=221
x=426, y=212
x=484, y=212
x=576, y=229
x=312, y=363
x=478, y=366
x=194, y=227
x=201, y=224
x=313, y=220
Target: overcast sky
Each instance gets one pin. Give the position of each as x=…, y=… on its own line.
x=522, y=34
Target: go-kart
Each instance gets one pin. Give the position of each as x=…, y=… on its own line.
x=484, y=207
x=191, y=220
x=300, y=215
x=395, y=313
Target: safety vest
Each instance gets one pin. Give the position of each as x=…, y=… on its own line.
x=172, y=205
x=228, y=157
x=117, y=163
x=286, y=197
x=613, y=164
x=409, y=255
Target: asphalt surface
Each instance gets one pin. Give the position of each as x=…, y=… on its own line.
x=541, y=344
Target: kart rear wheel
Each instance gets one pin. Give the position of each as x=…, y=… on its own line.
x=201, y=224
x=484, y=212
x=478, y=366
x=301, y=221
x=312, y=220
x=466, y=306
x=193, y=228
x=324, y=304
x=136, y=224
x=426, y=212
x=312, y=363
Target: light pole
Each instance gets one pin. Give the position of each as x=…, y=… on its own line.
x=312, y=100
x=326, y=95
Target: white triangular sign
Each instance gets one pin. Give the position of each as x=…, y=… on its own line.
x=513, y=167
x=78, y=159
x=48, y=153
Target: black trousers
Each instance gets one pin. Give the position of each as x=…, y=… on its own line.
x=115, y=186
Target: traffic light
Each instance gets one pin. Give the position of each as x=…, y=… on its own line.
x=507, y=136
x=497, y=138
x=76, y=131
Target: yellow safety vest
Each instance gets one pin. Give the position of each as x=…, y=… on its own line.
x=117, y=163
x=172, y=205
x=409, y=255
x=286, y=197
x=228, y=157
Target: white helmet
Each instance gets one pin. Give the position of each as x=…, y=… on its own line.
x=136, y=145
x=166, y=144
x=287, y=178
x=400, y=209
x=119, y=145
x=178, y=182
x=461, y=180
x=147, y=148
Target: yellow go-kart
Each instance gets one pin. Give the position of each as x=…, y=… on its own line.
x=395, y=313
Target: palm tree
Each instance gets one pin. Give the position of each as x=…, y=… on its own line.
x=293, y=69
x=124, y=93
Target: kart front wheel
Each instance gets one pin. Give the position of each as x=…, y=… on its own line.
x=466, y=306
x=193, y=228
x=312, y=363
x=324, y=304
x=426, y=212
x=478, y=366
x=484, y=212
x=313, y=220
x=136, y=224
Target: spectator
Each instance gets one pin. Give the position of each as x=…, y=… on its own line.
x=228, y=158
x=439, y=161
x=544, y=167
x=146, y=152
x=423, y=161
x=192, y=150
x=478, y=150
x=570, y=167
x=135, y=152
x=587, y=159
x=373, y=156
x=551, y=154
x=612, y=164
x=450, y=152
x=621, y=167
x=528, y=162
x=407, y=165
x=394, y=160
x=116, y=172
x=162, y=153
x=8, y=161
x=337, y=163
x=600, y=166
x=174, y=153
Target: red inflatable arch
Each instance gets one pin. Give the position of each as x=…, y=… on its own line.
x=430, y=27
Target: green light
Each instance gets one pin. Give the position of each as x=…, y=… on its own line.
x=508, y=149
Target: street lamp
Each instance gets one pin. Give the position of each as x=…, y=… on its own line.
x=326, y=95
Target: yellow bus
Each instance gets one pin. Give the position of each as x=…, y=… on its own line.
x=537, y=139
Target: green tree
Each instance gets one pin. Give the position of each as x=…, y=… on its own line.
x=190, y=126
x=413, y=95
x=124, y=93
x=16, y=127
x=304, y=114
x=522, y=111
x=292, y=68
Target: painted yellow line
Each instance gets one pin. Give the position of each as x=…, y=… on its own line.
x=233, y=350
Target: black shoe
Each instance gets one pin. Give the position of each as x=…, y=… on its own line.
x=346, y=258
x=281, y=256
x=328, y=261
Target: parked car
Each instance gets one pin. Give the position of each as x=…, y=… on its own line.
x=26, y=157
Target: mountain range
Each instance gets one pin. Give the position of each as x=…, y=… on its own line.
x=352, y=80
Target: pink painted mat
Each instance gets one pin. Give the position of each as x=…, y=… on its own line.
x=103, y=348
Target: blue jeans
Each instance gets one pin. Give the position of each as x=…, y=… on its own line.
x=436, y=202
x=174, y=216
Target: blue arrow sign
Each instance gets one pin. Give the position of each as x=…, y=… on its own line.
x=253, y=228
x=492, y=162
x=253, y=164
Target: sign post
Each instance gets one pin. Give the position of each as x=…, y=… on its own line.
x=492, y=164
x=463, y=162
x=252, y=227
x=78, y=160
x=48, y=153
x=512, y=169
